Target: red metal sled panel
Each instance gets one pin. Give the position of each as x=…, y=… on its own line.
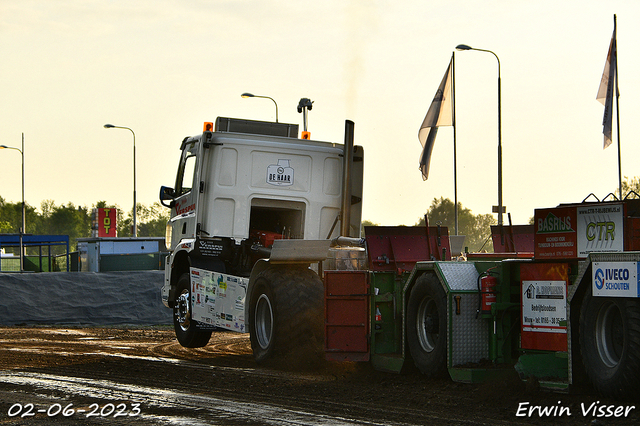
x=346, y=316
x=398, y=248
x=632, y=234
x=513, y=238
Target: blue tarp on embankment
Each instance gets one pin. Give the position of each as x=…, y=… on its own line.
x=83, y=298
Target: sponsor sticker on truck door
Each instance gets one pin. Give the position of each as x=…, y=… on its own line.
x=218, y=299
x=615, y=279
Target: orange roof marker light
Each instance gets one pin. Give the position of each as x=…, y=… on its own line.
x=208, y=126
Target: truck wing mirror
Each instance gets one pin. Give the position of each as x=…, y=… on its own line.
x=167, y=193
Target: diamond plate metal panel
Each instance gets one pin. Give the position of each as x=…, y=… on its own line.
x=469, y=337
x=459, y=276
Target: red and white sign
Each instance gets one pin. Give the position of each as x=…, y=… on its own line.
x=544, y=306
x=575, y=231
x=555, y=233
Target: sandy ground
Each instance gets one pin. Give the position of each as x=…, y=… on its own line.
x=150, y=358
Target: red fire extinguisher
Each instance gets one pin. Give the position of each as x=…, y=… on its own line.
x=488, y=289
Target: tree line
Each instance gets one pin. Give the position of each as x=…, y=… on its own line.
x=75, y=221
x=476, y=228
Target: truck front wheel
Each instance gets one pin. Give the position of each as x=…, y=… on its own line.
x=610, y=343
x=188, y=335
x=427, y=326
x=285, y=314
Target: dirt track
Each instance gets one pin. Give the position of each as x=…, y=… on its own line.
x=174, y=385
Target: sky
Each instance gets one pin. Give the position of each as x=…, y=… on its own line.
x=163, y=67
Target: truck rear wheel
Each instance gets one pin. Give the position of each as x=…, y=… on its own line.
x=427, y=326
x=286, y=314
x=188, y=335
x=610, y=343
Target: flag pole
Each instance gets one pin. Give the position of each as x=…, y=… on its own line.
x=615, y=52
x=455, y=167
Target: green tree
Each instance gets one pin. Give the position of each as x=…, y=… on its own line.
x=75, y=221
x=65, y=220
x=476, y=228
x=630, y=188
x=152, y=220
x=11, y=217
x=5, y=227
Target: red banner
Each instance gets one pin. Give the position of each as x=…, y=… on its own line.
x=556, y=236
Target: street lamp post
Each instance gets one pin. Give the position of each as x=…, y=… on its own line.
x=500, y=207
x=251, y=95
x=23, y=228
x=135, y=226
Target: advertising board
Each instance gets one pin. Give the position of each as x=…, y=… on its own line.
x=544, y=306
x=615, y=279
x=105, y=222
x=600, y=229
x=555, y=233
x=575, y=231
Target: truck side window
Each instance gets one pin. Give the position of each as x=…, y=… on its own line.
x=185, y=175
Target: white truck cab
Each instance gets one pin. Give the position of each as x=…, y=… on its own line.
x=252, y=203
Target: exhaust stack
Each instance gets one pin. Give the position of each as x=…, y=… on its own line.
x=347, y=162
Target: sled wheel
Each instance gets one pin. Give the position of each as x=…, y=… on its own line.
x=610, y=343
x=427, y=326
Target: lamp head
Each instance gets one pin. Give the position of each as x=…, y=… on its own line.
x=247, y=95
x=109, y=126
x=463, y=47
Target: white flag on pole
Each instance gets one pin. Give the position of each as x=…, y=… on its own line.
x=440, y=113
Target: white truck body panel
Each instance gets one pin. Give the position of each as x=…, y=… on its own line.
x=248, y=171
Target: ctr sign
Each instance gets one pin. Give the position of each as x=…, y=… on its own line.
x=600, y=229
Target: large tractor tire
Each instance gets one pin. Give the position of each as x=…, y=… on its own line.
x=427, y=326
x=188, y=335
x=286, y=316
x=610, y=343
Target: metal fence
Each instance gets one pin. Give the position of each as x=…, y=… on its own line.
x=108, y=262
x=41, y=263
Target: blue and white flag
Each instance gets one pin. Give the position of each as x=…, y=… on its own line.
x=440, y=114
x=605, y=91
